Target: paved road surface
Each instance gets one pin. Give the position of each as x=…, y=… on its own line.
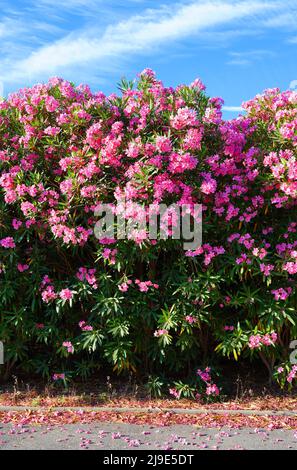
x=131, y=437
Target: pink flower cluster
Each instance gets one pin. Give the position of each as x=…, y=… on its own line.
x=69, y=346
x=66, y=294
x=151, y=145
x=7, y=242
x=292, y=374
x=88, y=275
x=229, y=328
x=22, y=267
x=161, y=332
x=58, y=377
x=143, y=286
x=84, y=327
x=211, y=388
x=282, y=293
x=48, y=293
x=190, y=319
x=257, y=341
x=175, y=393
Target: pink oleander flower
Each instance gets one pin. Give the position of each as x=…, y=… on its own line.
x=174, y=393
x=16, y=224
x=51, y=103
x=292, y=374
x=161, y=332
x=49, y=294
x=22, y=267
x=243, y=259
x=84, y=327
x=95, y=135
x=212, y=389
x=58, y=377
x=163, y=144
x=66, y=294
x=28, y=208
x=273, y=337
x=282, y=293
x=259, y=253
x=46, y=281
x=204, y=375
x=178, y=163
x=88, y=275
x=144, y=286
x=229, y=328
x=266, y=269
x=69, y=346
x=190, y=319
x=193, y=139
x=290, y=267
x=66, y=187
x=254, y=342
x=110, y=255
x=7, y=242
x=124, y=286
x=52, y=131
x=197, y=83
x=266, y=340
x=208, y=186
x=185, y=117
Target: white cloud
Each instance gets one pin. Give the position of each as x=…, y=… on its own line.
x=233, y=109
x=287, y=19
x=247, y=57
x=9, y=28
x=138, y=34
x=68, y=4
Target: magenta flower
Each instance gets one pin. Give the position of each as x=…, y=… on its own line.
x=58, y=377
x=68, y=345
x=66, y=294
x=175, y=393
x=22, y=267
x=84, y=327
x=161, y=332
x=212, y=389
x=52, y=131
x=7, y=242
x=190, y=319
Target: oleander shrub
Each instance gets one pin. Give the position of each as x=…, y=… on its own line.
x=72, y=303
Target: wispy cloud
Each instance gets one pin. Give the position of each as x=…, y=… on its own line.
x=233, y=109
x=287, y=19
x=248, y=57
x=137, y=35
x=10, y=27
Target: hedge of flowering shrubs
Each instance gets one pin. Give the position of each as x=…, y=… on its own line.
x=72, y=303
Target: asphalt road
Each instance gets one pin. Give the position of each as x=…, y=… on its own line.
x=131, y=437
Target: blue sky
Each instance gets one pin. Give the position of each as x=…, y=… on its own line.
x=237, y=47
